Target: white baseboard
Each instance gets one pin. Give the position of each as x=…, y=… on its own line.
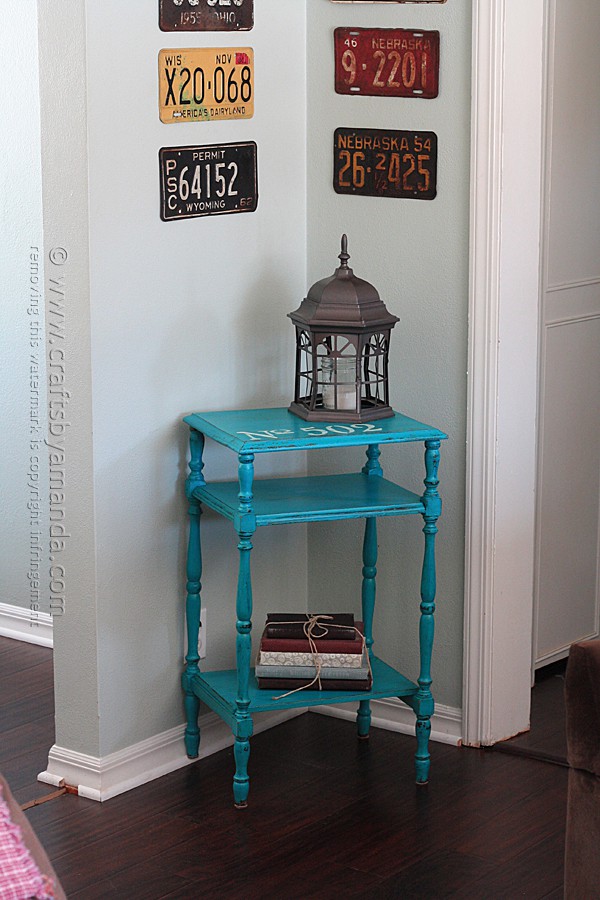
x=100, y=778
x=22, y=624
x=393, y=715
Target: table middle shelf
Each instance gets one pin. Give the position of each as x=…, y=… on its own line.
x=219, y=691
x=318, y=498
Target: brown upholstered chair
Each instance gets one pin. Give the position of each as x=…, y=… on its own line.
x=582, y=852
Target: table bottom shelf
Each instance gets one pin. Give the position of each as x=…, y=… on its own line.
x=219, y=690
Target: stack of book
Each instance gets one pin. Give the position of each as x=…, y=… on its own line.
x=323, y=651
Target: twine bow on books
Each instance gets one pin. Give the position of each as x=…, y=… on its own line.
x=316, y=627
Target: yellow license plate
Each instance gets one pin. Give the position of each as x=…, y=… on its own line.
x=206, y=84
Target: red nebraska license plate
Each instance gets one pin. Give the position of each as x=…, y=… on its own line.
x=387, y=62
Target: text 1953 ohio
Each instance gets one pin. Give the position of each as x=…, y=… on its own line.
x=206, y=15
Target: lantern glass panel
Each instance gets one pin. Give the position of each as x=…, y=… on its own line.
x=337, y=372
x=375, y=370
x=306, y=384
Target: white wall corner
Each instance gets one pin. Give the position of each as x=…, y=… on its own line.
x=502, y=394
x=27, y=625
x=394, y=715
x=486, y=186
x=100, y=778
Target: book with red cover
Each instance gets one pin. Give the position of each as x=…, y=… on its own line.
x=324, y=645
x=290, y=625
x=329, y=684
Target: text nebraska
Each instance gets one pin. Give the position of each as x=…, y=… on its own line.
x=400, y=44
x=372, y=142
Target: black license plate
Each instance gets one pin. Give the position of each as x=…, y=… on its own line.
x=209, y=180
x=206, y=15
x=381, y=163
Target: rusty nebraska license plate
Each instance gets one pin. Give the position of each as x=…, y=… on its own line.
x=387, y=62
x=205, y=84
x=208, y=180
x=206, y=15
x=381, y=163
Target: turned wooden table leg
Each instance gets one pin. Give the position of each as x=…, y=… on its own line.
x=243, y=728
x=193, y=588
x=368, y=607
x=424, y=704
x=373, y=469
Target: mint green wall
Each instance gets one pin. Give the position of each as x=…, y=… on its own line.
x=170, y=318
x=188, y=316
x=24, y=477
x=65, y=202
x=416, y=254
x=177, y=316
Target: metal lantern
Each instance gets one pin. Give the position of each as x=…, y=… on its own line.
x=342, y=347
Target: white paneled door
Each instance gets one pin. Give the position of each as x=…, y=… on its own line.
x=567, y=531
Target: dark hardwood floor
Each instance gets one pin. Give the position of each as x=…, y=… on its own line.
x=329, y=816
x=547, y=738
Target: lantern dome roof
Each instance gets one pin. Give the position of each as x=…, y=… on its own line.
x=343, y=302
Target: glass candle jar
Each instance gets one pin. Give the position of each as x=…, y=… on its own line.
x=339, y=382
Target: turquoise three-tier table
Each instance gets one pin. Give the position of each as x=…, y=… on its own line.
x=250, y=504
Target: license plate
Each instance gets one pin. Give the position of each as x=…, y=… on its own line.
x=383, y=163
x=206, y=84
x=388, y=1
x=206, y=15
x=387, y=62
x=209, y=180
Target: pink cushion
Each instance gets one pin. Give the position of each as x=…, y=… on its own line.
x=20, y=878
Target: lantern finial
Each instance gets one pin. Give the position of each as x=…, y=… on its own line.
x=344, y=255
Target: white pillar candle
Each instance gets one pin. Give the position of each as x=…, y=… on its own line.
x=339, y=383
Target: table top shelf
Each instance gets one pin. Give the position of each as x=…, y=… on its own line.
x=268, y=430
x=219, y=691
x=317, y=498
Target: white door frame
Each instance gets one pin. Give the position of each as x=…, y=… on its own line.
x=506, y=202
